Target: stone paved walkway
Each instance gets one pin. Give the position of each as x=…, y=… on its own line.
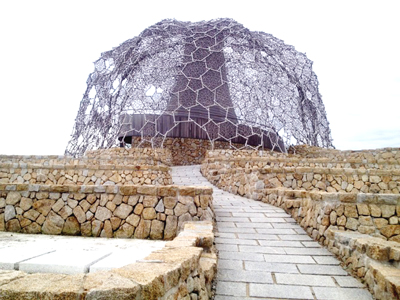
x=264, y=254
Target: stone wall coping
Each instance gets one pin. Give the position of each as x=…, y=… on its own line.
x=308, y=152
x=389, y=199
x=373, y=260
x=159, y=275
x=126, y=190
x=318, y=170
x=298, y=160
x=85, y=166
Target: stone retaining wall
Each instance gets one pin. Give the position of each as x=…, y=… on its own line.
x=317, y=213
x=184, y=269
x=270, y=161
x=186, y=151
x=155, y=154
x=156, y=212
x=84, y=174
x=55, y=160
x=375, y=261
x=246, y=181
x=385, y=156
x=310, y=194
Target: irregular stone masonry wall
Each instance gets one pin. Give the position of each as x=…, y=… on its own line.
x=184, y=269
x=282, y=162
x=321, y=213
x=245, y=181
x=187, y=151
x=380, y=158
x=52, y=160
x=375, y=261
x=156, y=154
x=156, y=212
x=84, y=174
x=384, y=155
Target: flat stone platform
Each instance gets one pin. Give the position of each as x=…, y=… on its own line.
x=70, y=255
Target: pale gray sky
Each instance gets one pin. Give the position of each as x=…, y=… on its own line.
x=48, y=49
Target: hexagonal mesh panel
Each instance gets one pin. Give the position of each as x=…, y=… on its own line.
x=212, y=80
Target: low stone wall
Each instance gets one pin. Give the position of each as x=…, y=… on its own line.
x=375, y=261
x=162, y=155
x=376, y=215
x=84, y=174
x=248, y=180
x=184, y=269
x=186, y=151
x=386, y=158
x=156, y=212
x=364, y=200
x=67, y=161
x=380, y=156
x=309, y=195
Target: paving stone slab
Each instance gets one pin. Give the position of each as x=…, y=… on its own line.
x=301, y=279
x=236, y=229
x=227, y=247
x=235, y=241
x=63, y=262
x=326, y=260
x=296, y=259
x=231, y=289
x=230, y=264
x=268, y=220
x=254, y=225
x=311, y=244
x=308, y=251
x=118, y=259
x=248, y=215
x=341, y=293
x=285, y=225
x=244, y=276
x=276, y=231
x=348, y=281
x=292, y=237
x=271, y=267
x=321, y=269
x=281, y=243
x=11, y=257
x=229, y=235
x=280, y=291
x=258, y=236
x=262, y=249
x=241, y=256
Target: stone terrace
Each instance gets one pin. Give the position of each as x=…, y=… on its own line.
x=264, y=254
x=348, y=201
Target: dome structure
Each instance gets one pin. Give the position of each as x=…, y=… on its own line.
x=213, y=80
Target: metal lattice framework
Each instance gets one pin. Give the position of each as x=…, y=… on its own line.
x=211, y=80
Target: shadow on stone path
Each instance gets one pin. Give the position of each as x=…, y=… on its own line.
x=264, y=254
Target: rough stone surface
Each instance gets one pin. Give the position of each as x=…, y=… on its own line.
x=71, y=226
x=102, y=213
x=123, y=211
x=53, y=224
x=13, y=198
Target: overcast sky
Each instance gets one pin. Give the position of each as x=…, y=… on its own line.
x=48, y=48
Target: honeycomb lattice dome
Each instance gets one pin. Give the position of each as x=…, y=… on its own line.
x=212, y=80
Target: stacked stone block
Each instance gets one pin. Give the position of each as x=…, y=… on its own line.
x=84, y=174
x=183, y=269
x=327, y=191
x=375, y=261
x=106, y=211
